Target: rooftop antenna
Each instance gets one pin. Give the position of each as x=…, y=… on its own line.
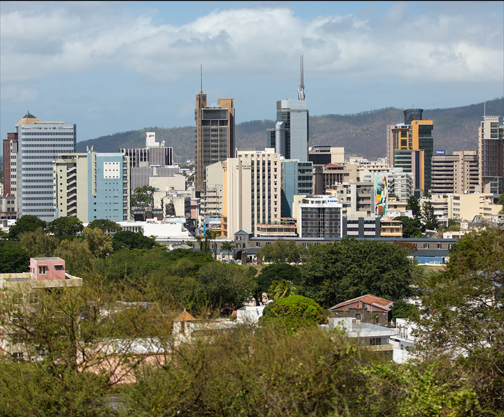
x=201, y=78
x=301, y=94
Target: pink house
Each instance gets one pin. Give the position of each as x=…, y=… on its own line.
x=42, y=269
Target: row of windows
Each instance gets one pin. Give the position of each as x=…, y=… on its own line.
x=52, y=133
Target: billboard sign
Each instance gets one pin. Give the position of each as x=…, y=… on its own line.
x=440, y=152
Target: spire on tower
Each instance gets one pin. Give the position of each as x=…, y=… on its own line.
x=301, y=94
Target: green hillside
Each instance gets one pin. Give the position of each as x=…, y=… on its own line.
x=362, y=134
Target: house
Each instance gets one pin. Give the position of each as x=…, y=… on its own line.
x=365, y=309
x=370, y=336
x=46, y=274
x=186, y=327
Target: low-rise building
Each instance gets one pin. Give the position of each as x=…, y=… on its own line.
x=366, y=309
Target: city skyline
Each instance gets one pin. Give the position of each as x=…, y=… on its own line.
x=120, y=66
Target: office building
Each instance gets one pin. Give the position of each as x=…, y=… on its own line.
x=491, y=155
x=297, y=179
x=92, y=186
x=215, y=134
x=290, y=136
x=410, y=146
x=457, y=173
x=154, y=153
x=252, y=191
x=34, y=147
x=319, y=216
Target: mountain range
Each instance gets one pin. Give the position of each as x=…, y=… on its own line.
x=362, y=134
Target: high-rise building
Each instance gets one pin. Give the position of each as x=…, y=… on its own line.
x=297, y=179
x=92, y=186
x=455, y=174
x=320, y=217
x=154, y=153
x=252, y=191
x=290, y=136
x=215, y=134
x=38, y=146
x=410, y=146
x=491, y=155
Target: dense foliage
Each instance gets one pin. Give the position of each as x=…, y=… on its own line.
x=350, y=268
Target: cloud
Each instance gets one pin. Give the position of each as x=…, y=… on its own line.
x=13, y=94
x=264, y=39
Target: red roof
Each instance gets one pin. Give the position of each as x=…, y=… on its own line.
x=366, y=300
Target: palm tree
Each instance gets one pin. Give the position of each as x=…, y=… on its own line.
x=227, y=247
x=281, y=289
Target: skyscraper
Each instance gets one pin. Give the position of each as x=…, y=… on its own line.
x=38, y=146
x=412, y=147
x=215, y=134
x=491, y=155
x=290, y=136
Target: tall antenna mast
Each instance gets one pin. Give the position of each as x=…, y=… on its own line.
x=301, y=94
x=201, y=78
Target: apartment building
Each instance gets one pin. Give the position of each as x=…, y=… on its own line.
x=252, y=191
x=92, y=186
x=457, y=173
x=467, y=206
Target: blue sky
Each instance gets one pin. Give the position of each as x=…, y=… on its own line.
x=117, y=66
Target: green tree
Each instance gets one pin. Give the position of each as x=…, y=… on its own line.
x=26, y=223
x=126, y=239
x=414, y=205
x=462, y=315
x=78, y=258
x=13, y=258
x=143, y=196
x=412, y=228
x=225, y=284
x=294, y=311
x=280, y=251
x=99, y=244
x=501, y=202
x=428, y=217
x=227, y=248
x=281, y=289
x=350, y=268
x=109, y=227
x=403, y=310
x=38, y=244
x=65, y=226
x=275, y=272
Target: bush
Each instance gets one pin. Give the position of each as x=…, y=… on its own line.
x=295, y=311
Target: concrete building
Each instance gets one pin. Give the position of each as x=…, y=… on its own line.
x=319, y=216
x=323, y=155
x=467, y=206
x=290, y=136
x=362, y=227
x=412, y=147
x=297, y=179
x=491, y=155
x=357, y=198
x=92, y=186
x=252, y=191
x=154, y=153
x=215, y=134
x=325, y=177
x=46, y=274
x=34, y=147
x=457, y=173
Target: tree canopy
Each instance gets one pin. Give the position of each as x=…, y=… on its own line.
x=26, y=223
x=143, y=196
x=13, y=258
x=280, y=251
x=65, y=226
x=462, y=315
x=350, y=268
x=294, y=311
x=132, y=240
x=109, y=227
x=412, y=228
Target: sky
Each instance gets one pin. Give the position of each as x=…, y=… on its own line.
x=117, y=66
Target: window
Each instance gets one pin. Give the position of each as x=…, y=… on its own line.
x=375, y=341
x=426, y=246
x=42, y=270
x=58, y=267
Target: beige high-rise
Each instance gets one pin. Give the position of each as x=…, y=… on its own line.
x=215, y=134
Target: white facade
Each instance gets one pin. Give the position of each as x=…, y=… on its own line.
x=39, y=144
